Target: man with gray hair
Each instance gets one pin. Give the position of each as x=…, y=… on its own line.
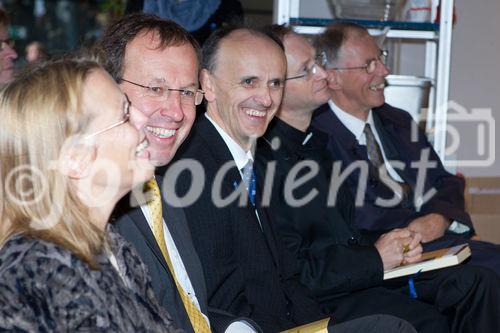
x=406, y=185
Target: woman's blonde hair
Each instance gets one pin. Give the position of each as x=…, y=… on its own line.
x=40, y=111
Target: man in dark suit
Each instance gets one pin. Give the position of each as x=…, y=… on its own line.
x=426, y=200
x=247, y=272
x=155, y=61
x=343, y=268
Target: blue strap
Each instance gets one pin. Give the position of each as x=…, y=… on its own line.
x=411, y=285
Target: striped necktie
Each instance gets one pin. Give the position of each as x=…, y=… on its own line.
x=377, y=160
x=372, y=148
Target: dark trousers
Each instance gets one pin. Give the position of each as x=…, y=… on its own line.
x=456, y=299
x=373, y=324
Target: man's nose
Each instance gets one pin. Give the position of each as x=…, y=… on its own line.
x=320, y=73
x=264, y=96
x=383, y=69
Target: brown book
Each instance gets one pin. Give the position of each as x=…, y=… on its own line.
x=432, y=260
x=320, y=326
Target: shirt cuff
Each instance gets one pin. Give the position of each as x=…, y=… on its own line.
x=240, y=327
x=458, y=228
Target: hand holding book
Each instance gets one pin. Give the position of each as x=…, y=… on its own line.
x=432, y=260
x=399, y=246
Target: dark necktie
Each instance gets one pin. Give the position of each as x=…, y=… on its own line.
x=372, y=148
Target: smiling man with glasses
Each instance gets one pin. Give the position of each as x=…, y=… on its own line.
x=370, y=65
x=320, y=255
x=338, y=262
x=363, y=128
x=7, y=52
x=155, y=62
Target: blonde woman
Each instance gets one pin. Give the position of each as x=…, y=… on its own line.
x=68, y=153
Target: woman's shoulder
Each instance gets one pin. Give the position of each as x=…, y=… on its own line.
x=38, y=266
x=22, y=251
x=32, y=272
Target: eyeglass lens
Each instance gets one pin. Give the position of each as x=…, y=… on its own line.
x=319, y=60
x=372, y=65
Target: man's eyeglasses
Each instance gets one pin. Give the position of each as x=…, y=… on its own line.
x=370, y=66
x=7, y=42
x=126, y=117
x=319, y=61
x=161, y=92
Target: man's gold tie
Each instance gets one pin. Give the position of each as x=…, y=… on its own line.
x=154, y=203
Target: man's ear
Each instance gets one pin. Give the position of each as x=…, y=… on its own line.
x=207, y=84
x=333, y=79
x=76, y=160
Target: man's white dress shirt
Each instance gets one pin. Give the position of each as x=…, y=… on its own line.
x=356, y=127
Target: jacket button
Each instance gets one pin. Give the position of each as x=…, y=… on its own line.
x=352, y=241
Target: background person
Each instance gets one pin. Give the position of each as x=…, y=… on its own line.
x=63, y=268
x=7, y=52
x=35, y=51
x=199, y=17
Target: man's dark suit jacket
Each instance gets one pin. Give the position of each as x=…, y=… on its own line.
x=342, y=267
x=132, y=224
x=394, y=127
x=321, y=237
x=247, y=272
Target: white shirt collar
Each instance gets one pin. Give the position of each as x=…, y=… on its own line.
x=240, y=156
x=353, y=124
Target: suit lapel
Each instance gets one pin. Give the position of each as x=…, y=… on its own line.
x=383, y=132
x=387, y=135
x=175, y=220
x=141, y=223
x=328, y=123
x=267, y=229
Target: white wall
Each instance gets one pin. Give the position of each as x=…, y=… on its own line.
x=475, y=70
